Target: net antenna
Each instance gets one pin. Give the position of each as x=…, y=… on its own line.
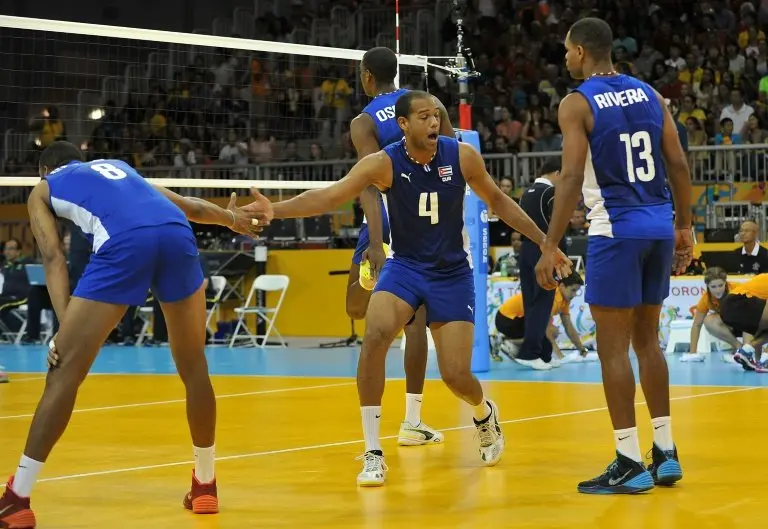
x=460, y=67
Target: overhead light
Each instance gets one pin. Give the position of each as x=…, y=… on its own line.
x=96, y=114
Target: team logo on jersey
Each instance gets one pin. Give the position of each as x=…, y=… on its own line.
x=445, y=172
x=406, y=176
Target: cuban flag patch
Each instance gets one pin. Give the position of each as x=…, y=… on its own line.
x=445, y=172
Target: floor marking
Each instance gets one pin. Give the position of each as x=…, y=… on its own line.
x=181, y=401
x=358, y=441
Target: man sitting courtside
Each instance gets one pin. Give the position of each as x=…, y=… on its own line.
x=15, y=285
x=754, y=258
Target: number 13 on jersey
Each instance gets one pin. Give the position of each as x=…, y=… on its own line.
x=640, y=143
x=428, y=206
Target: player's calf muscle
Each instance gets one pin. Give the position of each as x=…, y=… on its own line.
x=357, y=301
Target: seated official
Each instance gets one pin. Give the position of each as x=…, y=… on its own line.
x=754, y=258
x=15, y=285
x=743, y=310
x=510, y=319
x=707, y=311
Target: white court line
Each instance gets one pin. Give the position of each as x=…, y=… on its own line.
x=178, y=401
x=345, y=443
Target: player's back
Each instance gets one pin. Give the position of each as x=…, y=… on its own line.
x=382, y=112
x=426, y=208
x=106, y=198
x=625, y=185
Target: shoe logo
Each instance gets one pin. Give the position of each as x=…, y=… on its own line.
x=471, y=309
x=5, y=509
x=622, y=438
x=613, y=482
x=406, y=176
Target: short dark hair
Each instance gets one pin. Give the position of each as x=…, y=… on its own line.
x=552, y=165
x=573, y=279
x=403, y=104
x=60, y=153
x=382, y=63
x=594, y=35
x=13, y=239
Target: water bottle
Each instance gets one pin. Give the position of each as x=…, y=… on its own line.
x=504, y=266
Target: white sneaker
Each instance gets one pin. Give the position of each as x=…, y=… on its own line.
x=3, y=376
x=491, y=437
x=555, y=362
x=374, y=470
x=728, y=359
x=538, y=364
x=418, y=435
x=692, y=357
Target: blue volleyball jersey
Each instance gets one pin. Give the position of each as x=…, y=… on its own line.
x=106, y=198
x=625, y=181
x=426, y=208
x=382, y=112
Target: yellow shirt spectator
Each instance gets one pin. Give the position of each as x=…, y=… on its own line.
x=695, y=113
x=744, y=38
x=335, y=93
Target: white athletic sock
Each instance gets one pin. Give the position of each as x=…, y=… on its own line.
x=371, y=422
x=413, y=408
x=26, y=476
x=204, y=463
x=662, y=433
x=747, y=348
x=628, y=443
x=482, y=411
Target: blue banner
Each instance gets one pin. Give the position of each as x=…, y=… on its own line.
x=476, y=224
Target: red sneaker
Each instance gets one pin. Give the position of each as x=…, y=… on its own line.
x=15, y=512
x=202, y=499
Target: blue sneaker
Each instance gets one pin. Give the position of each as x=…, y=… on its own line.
x=747, y=360
x=623, y=476
x=665, y=467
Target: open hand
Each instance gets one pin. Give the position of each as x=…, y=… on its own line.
x=683, y=251
x=252, y=218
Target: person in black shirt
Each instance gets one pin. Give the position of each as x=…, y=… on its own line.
x=15, y=285
x=535, y=351
x=754, y=258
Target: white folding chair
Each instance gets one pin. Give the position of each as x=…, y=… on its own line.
x=145, y=314
x=263, y=283
x=20, y=313
x=219, y=284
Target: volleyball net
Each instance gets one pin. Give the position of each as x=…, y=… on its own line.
x=203, y=114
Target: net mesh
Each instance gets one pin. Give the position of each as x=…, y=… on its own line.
x=185, y=105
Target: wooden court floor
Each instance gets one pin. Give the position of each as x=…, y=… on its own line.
x=286, y=453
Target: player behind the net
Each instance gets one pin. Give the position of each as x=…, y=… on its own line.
x=619, y=145
x=141, y=240
x=374, y=129
x=424, y=177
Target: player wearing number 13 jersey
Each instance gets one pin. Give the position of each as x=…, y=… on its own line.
x=141, y=239
x=621, y=149
x=424, y=176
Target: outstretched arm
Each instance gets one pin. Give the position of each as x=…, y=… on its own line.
x=473, y=169
x=375, y=169
x=46, y=234
x=239, y=220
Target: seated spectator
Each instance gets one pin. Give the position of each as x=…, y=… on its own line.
x=15, y=285
x=578, y=226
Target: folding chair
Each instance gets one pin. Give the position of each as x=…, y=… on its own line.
x=145, y=315
x=264, y=283
x=219, y=284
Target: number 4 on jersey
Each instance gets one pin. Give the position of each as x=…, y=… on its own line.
x=639, y=140
x=428, y=206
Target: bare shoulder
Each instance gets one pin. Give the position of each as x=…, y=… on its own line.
x=573, y=105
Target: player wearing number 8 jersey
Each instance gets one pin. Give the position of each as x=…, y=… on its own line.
x=424, y=177
x=141, y=239
x=619, y=142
